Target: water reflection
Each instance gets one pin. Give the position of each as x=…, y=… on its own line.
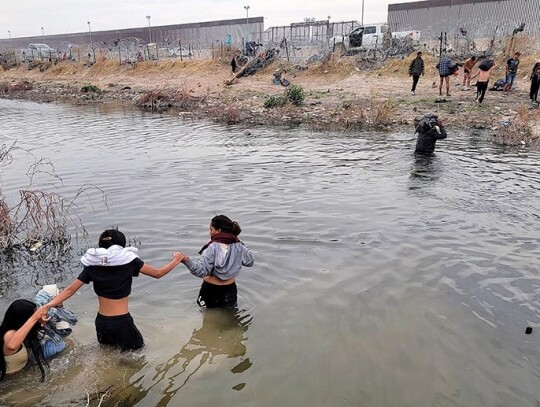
x=425, y=168
x=222, y=334
x=32, y=270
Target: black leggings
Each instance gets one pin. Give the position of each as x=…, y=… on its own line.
x=535, y=84
x=481, y=88
x=217, y=296
x=119, y=331
x=414, y=82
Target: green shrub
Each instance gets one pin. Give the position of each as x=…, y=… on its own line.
x=295, y=94
x=90, y=88
x=275, y=101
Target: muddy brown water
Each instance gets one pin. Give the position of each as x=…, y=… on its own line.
x=380, y=279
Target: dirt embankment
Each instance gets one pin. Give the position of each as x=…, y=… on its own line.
x=337, y=94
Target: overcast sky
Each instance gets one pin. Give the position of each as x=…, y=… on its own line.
x=25, y=18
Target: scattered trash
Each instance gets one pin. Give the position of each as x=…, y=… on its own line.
x=36, y=246
x=528, y=330
x=506, y=123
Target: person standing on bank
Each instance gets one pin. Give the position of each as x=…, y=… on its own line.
x=429, y=129
x=220, y=263
x=483, y=80
x=416, y=68
x=111, y=268
x=511, y=71
x=467, y=71
x=535, y=82
x=445, y=70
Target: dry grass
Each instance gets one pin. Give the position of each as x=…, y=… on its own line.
x=520, y=130
x=335, y=66
x=162, y=100
x=22, y=85
x=176, y=66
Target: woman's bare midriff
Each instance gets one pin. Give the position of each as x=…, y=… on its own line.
x=217, y=281
x=111, y=308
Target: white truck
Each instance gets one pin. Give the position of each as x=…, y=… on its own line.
x=38, y=52
x=367, y=38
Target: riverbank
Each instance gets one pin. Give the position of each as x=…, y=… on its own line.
x=340, y=94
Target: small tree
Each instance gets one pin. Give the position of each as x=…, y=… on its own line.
x=39, y=218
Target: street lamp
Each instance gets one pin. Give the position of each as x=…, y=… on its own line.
x=247, y=19
x=149, y=32
x=43, y=34
x=9, y=33
x=90, y=32
x=362, y=23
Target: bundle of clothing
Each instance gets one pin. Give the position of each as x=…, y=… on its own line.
x=61, y=319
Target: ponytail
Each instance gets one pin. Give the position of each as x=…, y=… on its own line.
x=226, y=225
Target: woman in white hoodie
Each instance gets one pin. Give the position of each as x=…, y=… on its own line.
x=111, y=268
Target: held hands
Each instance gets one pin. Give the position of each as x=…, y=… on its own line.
x=179, y=258
x=41, y=315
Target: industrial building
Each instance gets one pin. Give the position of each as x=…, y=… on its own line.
x=476, y=18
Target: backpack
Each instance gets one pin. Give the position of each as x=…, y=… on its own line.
x=486, y=65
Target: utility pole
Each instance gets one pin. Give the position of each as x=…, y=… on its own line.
x=362, y=22
x=43, y=34
x=247, y=20
x=149, y=31
x=91, y=43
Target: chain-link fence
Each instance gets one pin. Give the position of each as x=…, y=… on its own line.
x=298, y=43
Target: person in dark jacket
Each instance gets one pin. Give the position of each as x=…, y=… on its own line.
x=535, y=82
x=416, y=68
x=429, y=129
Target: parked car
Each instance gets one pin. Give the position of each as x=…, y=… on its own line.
x=38, y=51
x=369, y=37
x=179, y=51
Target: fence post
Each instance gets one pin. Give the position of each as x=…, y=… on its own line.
x=212, y=51
x=180, y=46
x=287, y=49
x=119, y=55
x=157, y=52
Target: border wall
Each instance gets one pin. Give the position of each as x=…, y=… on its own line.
x=201, y=36
x=478, y=18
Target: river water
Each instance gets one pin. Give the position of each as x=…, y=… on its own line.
x=380, y=279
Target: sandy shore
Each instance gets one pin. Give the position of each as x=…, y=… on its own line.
x=339, y=94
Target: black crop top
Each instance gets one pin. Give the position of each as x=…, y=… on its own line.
x=113, y=282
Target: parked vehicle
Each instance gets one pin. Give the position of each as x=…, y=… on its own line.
x=371, y=37
x=38, y=52
x=179, y=51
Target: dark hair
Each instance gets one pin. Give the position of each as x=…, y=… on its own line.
x=419, y=53
x=112, y=237
x=473, y=58
x=15, y=317
x=225, y=224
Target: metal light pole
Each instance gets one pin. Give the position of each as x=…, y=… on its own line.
x=43, y=34
x=9, y=33
x=149, y=31
x=91, y=43
x=362, y=23
x=90, y=32
x=247, y=19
